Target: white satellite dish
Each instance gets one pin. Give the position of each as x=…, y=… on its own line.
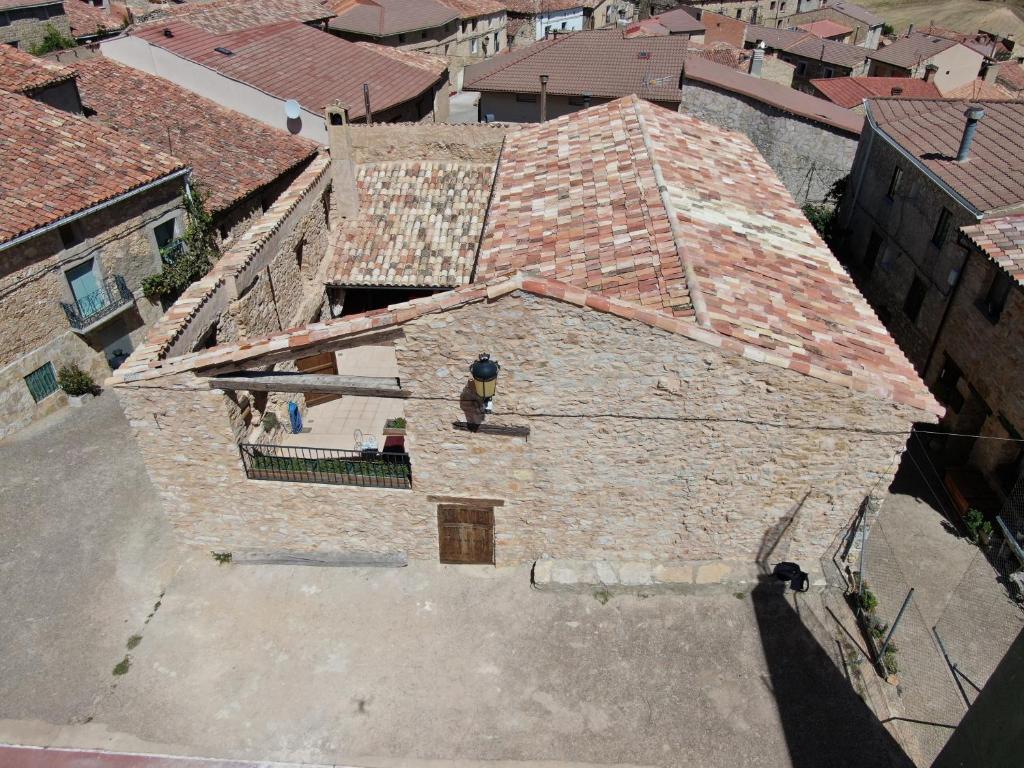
x=291, y=109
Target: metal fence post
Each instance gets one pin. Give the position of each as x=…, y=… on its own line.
x=892, y=629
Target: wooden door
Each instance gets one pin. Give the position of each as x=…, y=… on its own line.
x=325, y=363
x=465, y=534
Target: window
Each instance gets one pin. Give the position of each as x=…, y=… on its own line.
x=995, y=298
x=325, y=199
x=497, y=43
x=871, y=254
x=474, y=25
x=739, y=12
x=299, y=248
x=801, y=68
x=829, y=72
x=401, y=37
x=423, y=35
x=465, y=27
x=942, y=228
x=945, y=385
x=915, y=298
x=576, y=101
x=85, y=286
x=70, y=235
x=563, y=25
x=771, y=5
x=473, y=45
x=41, y=382
x=527, y=98
x=894, y=183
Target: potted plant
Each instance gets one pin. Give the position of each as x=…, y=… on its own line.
x=394, y=426
x=77, y=384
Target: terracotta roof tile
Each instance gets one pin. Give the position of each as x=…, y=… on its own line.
x=220, y=17
x=1002, y=240
x=825, y=28
x=856, y=12
x=54, y=164
x=980, y=90
x=931, y=130
x=471, y=9
x=380, y=18
x=849, y=92
x=87, y=20
x=21, y=72
x=418, y=225
x=231, y=154
x=907, y=52
x=428, y=62
x=534, y=7
x=1011, y=76
x=294, y=61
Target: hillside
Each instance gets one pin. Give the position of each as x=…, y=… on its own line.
x=1002, y=16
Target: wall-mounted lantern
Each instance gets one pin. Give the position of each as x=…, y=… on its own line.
x=485, y=379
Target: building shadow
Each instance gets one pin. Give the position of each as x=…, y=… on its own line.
x=824, y=721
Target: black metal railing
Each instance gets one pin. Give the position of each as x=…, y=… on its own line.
x=86, y=310
x=326, y=465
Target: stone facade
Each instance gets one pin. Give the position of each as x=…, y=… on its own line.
x=642, y=445
x=610, y=13
x=863, y=35
x=957, y=66
x=808, y=157
x=769, y=13
x=33, y=281
x=26, y=27
x=477, y=39
x=889, y=246
x=470, y=143
x=807, y=69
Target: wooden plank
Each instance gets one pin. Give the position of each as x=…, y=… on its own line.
x=465, y=534
x=327, y=559
x=466, y=501
x=272, y=381
x=326, y=363
x=492, y=429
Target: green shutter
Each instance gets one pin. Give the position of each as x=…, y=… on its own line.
x=41, y=382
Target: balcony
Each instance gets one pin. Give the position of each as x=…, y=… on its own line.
x=326, y=465
x=91, y=310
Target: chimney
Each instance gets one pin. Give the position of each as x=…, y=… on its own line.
x=343, y=170
x=543, y=98
x=896, y=91
x=991, y=71
x=910, y=30
x=973, y=115
x=366, y=104
x=929, y=73
x=757, y=60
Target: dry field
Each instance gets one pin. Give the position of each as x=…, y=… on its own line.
x=1002, y=16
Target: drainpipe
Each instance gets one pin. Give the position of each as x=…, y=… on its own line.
x=973, y=115
x=543, y=98
x=366, y=103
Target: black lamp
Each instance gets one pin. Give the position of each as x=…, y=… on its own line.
x=485, y=379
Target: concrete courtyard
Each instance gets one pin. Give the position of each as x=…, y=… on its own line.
x=376, y=666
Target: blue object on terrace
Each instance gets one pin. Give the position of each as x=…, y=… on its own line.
x=295, y=417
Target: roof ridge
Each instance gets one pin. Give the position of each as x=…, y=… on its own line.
x=700, y=309
x=536, y=45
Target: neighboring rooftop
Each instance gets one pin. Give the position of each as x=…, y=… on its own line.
x=88, y=21
x=907, y=52
x=418, y=225
x=54, y=164
x=980, y=90
x=807, y=45
x=290, y=60
x=1002, y=240
x=230, y=154
x=425, y=61
x=21, y=72
x=534, y=7
x=223, y=16
x=381, y=18
x=1011, y=77
x=680, y=21
x=471, y=9
x=856, y=12
x=850, y=92
x=930, y=130
x=825, y=28
x=682, y=218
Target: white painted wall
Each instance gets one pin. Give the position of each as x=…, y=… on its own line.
x=229, y=93
x=571, y=17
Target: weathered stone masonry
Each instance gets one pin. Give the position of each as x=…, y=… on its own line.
x=643, y=445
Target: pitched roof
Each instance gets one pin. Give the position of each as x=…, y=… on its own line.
x=856, y=12
x=649, y=206
x=21, y=72
x=87, y=20
x=534, y=7
x=220, y=17
x=980, y=90
x=230, y=154
x=679, y=21
x=802, y=43
x=418, y=225
x=471, y=9
x=290, y=60
x=825, y=28
x=849, y=92
x=603, y=63
x=909, y=51
x=1011, y=76
x=380, y=18
x=54, y=164
x=930, y=130
x=425, y=61
x=1002, y=240
x=4, y=4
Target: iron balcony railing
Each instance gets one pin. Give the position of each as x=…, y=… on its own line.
x=85, y=311
x=326, y=465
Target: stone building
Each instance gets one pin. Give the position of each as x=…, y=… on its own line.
x=482, y=32
x=865, y=27
x=653, y=402
x=853, y=92
x=809, y=142
x=772, y=13
x=418, y=25
x=953, y=63
x=84, y=213
x=812, y=57
x=601, y=14
x=532, y=20
x=937, y=290
x=24, y=23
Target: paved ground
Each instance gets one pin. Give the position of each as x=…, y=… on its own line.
x=377, y=667
x=464, y=107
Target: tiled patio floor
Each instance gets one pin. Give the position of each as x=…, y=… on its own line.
x=342, y=422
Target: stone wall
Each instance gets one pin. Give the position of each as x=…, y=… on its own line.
x=471, y=143
x=26, y=33
x=905, y=225
x=808, y=157
x=33, y=327
x=642, y=445
x=863, y=35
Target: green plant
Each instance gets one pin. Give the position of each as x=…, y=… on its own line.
x=889, y=660
x=978, y=528
x=223, y=558
x=888, y=29
x=133, y=642
x=395, y=423
x=270, y=421
x=877, y=628
x=122, y=666
x=866, y=599
x=823, y=215
x=603, y=596
x=190, y=258
x=75, y=381
x=53, y=40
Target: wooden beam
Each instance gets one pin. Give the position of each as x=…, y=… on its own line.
x=274, y=381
